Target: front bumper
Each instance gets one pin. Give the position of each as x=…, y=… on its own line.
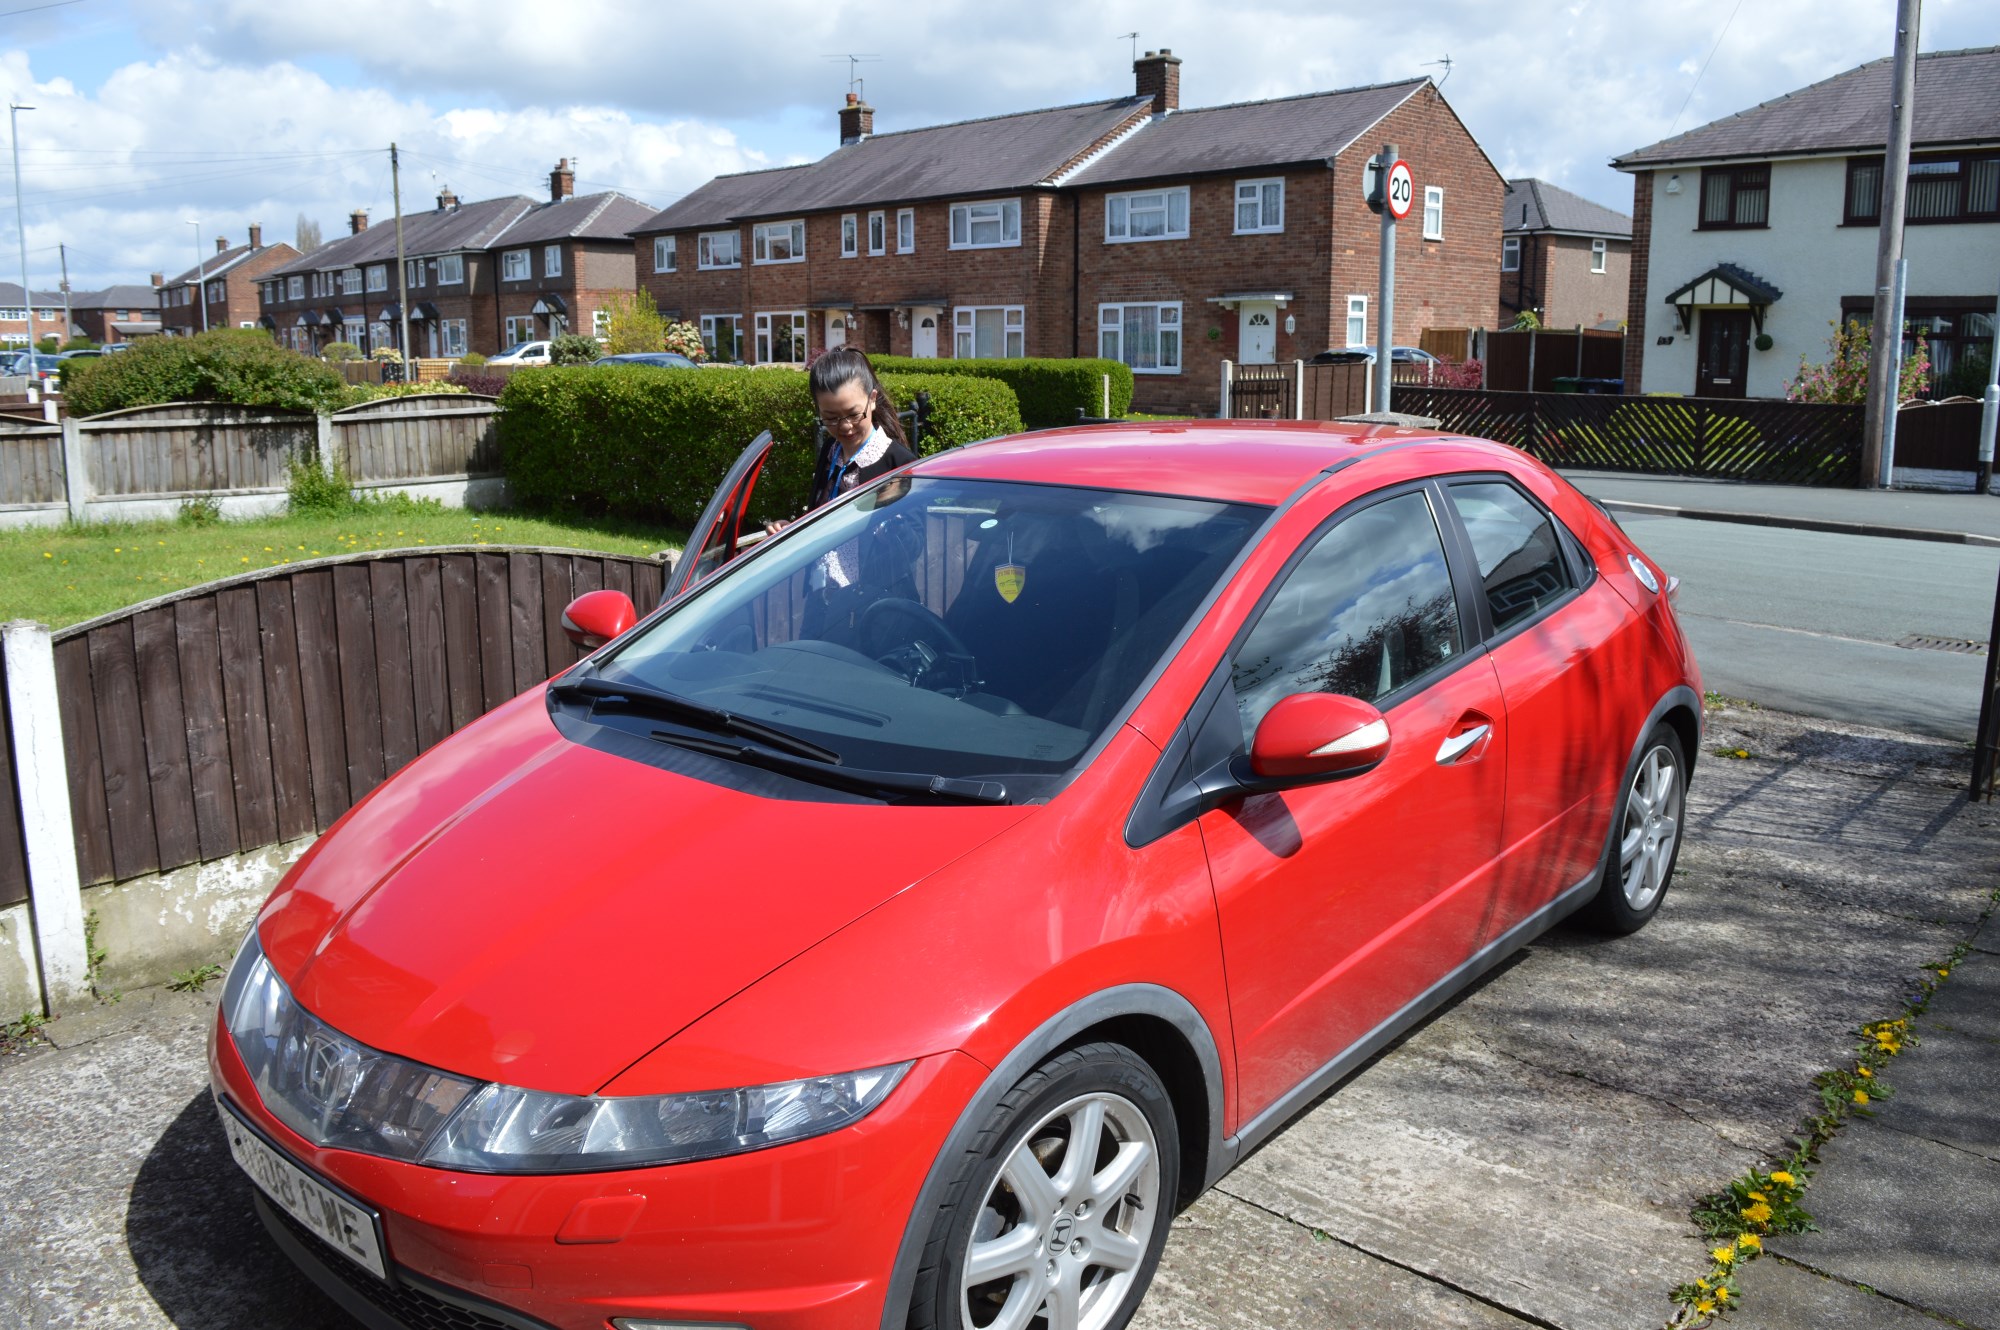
x=790, y=1237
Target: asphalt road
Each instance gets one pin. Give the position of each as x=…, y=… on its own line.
x=1808, y=622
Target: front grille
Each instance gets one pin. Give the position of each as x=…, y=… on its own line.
x=404, y=1302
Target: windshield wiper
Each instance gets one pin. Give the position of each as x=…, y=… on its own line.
x=950, y=789
x=647, y=698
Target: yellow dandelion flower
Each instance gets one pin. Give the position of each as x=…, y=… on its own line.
x=1864, y=1073
x=1750, y=1242
x=1704, y=1306
x=117, y=549
x=1723, y=1255
x=1860, y=1096
x=1702, y=1284
x=162, y=542
x=269, y=550
x=1758, y=1213
x=1722, y=1295
x=1782, y=1178
x=47, y=555
x=1944, y=974
x=1757, y=1196
x=244, y=559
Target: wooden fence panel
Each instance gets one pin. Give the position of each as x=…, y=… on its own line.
x=400, y=438
x=319, y=686
x=31, y=465
x=284, y=695
x=558, y=652
x=496, y=644
x=1333, y=391
x=461, y=639
x=1941, y=436
x=360, y=686
x=430, y=675
x=526, y=621
x=1446, y=343
x=89, y=812
x=393, y=672
x=1261, y=392
x=157, y=666
x=198, y=639
x=13, y=852
x=190, y=447
x=241, y=649
x=121, y=740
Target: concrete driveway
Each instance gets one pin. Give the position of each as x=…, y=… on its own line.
x=1527, y=1157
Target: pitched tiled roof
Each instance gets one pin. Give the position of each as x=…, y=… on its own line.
x=970, y=157
x=1957, y=101
x=1536, y=205
x=608, y=216
x=444, y=231
x=213, y=265
x=116, y=297
x=10, y=296
x=1249, y=134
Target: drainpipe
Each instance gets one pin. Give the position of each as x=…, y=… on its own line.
x=1076, y=283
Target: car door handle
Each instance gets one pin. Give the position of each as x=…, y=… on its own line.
x=1458, y=745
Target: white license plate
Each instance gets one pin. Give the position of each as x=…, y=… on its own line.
x=349, y=1229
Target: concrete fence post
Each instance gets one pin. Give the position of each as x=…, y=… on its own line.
x=1106, y=385
x=1228, y=370
x=42, y=775
x=1298, y=390
x=76, y=471
x=323, y=441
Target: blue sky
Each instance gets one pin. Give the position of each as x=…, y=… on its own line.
x=152, y=112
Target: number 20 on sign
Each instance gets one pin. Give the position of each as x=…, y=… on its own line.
x=1400, y=189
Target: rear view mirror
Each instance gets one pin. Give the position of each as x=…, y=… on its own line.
x=1318, y=734
x=596, y=617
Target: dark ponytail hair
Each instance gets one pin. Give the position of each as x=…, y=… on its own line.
x=835, y=369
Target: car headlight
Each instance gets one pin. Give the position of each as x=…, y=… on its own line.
x=338, y=1092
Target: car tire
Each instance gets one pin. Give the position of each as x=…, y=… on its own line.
x=1645, y=837
x=1024, y=1220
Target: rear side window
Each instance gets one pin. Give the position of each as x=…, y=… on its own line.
x=1521, y=560
x=1368, y=610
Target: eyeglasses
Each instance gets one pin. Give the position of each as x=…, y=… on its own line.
x=852, y=418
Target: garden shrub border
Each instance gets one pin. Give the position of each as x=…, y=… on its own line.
x=1050, y=390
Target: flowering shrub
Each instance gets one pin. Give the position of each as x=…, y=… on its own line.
x=684, y=338
x=1843, y=376
x=1457, y=374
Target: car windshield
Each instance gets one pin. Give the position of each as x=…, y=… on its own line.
x=947, y=627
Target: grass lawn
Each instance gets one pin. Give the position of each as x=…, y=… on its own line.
x=63, y=575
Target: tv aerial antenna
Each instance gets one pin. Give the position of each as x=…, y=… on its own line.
x=1446, y=62
x=854, y=63
x=1121, y=36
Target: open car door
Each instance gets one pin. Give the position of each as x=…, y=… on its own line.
x=718, y=536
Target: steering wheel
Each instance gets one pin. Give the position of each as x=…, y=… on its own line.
x=906, y=637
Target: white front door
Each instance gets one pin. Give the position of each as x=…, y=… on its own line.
x=836, y=328
x=923, y=334
x=1257, y=341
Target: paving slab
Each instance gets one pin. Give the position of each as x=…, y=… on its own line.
x=1780, y=1296
x=1915, y=1219
x=1232, y=1266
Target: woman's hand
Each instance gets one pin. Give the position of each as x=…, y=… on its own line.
x=776, y=524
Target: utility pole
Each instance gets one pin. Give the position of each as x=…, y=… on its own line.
x=14, y=110
x=402, y=267
x=200, y=274
x=68, y=321
x=1885, y=341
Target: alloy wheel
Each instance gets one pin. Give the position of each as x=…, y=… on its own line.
x=1652, y=828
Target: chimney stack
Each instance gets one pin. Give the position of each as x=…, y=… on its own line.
x=159, y=280
x=256, y=236
x=447, y=201
x=857, y=120
x=562, y=182
x=1158, y=75
x=221, y=244
x=357, y=221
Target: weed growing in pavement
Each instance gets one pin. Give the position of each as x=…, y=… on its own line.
x=1762, y=1202
x=93, y=963
x=193, y=981
x=25, y=1032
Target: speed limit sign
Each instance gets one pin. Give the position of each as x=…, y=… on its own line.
x=1400, y=189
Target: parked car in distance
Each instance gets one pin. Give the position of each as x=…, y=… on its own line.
x=899, y=925
x=1365, y=355
x=523, y=353
x=81, y=353
x=658, y=359
x=39, y=368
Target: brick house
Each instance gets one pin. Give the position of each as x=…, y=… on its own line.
x=1762, y=227
x=226, y=283
x=572, y=253
x=1169, y=239
x=1564, y=258
x=25, y=324
x=117, y=313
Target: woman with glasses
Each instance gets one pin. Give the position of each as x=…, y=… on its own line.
x=863, y=437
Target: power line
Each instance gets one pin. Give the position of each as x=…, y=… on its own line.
x=36, y=9
x=1704, y=68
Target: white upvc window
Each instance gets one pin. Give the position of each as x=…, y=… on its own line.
x=1146, y=336
x=1433, y=212
x=850, y=235
x=515, y=266
x=906, y=230
x=552, y=260
x=247, y=323
x=600, y=323
x=453, y=331
x=719, y=249
x=781, y=337
x=1600, y=252
x=217, y=292
x=350, y=282
x=722, y=334
x=993, y=224
x=988, y=332
x=413, y=273
x=666, y=254
x=519, y=328
x=1159, y=214
x=1357, y=320
x=378, y=277
x=1260, y=206
x=295, y=288
x=778, y=242
x=451, y=269
x=878, y=233
x=14, y=315
x=1510, y=254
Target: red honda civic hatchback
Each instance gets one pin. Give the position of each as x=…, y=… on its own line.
x=901, y=923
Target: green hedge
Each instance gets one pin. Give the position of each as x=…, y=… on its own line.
x=1050, y=390
x=654, y=443
x=240, y=365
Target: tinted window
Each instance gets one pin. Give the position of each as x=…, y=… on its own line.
x=1367, y=611
x=1520, y=559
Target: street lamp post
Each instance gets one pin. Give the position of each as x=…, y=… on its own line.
x=14, y=110
x=200, y=273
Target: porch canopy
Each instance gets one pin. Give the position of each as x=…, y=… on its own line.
x=1722, y=286
x=550, y=304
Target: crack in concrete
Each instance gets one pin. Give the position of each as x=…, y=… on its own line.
x=1919, y=1136
x=1525, y=1317
x=1640, y=1095
x=1807, y=1267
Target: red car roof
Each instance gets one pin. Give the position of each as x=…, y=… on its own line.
x=1242, y=461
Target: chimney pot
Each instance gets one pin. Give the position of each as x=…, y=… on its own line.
x=159, y=279
x=857, y=120
x=562, y=182
x=447, y=201
x=357, y=221
x=256, y=236
x=1158, y=75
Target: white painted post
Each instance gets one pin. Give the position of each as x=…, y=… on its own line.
x=41, y=774
x=1298, y=390
x=1106, y=412
x=324, y=442
x=49, y=410
x=1368, y=392
x=1228, y=368
x=76, y=472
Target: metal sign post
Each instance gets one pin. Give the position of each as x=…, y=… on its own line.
x=1990, y=417
x=1393, y=173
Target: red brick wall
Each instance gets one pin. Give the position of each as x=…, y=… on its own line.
x=1641, y=264
x=1572, y=293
